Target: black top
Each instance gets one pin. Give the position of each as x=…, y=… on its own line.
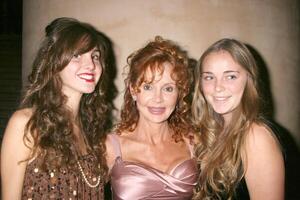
x=241, y=192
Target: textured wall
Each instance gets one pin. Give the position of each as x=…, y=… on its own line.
x=271, y=27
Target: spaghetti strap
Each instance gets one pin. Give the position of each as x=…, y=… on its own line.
x=116, y=144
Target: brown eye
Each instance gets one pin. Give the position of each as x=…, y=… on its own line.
x=147, y=87
x=96, y=57
x=207, y=78
x=76, y=57
x=231, y=77
x=169, y=89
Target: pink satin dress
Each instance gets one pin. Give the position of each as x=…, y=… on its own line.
x=134, y=181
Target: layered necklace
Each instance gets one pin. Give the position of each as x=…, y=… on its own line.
x=85, y=178
x=97, y=180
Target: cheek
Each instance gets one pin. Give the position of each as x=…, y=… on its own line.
x=64, y=75
x=142, y=98
x=172, y=99
x=238, y=88
x=207, y=88
x=99, y=69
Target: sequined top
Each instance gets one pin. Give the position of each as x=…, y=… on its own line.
x=61, y=184
x=134, y=181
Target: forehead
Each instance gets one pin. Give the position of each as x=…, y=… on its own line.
x=163, y=72
x=220, y=61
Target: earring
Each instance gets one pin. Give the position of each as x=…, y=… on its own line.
x=134, y=98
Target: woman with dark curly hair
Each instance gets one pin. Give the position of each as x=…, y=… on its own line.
x=53, y=146
x=150, y=154
x=238, y=154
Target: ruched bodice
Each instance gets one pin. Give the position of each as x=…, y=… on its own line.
x=133, y=181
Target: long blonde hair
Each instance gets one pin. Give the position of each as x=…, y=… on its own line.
x=220, y=153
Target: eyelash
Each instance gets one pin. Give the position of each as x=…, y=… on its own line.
x=96, y=57
x=147, y=87
x=231, y=77
x=167, y=89
x=208, y=78
x=76, y=56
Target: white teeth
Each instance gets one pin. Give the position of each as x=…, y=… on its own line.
x=86, y=76
x=220, y=98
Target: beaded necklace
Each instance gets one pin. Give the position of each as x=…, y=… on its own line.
x=85, y=178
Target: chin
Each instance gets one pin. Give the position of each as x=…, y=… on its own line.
x=221, y=111
x=158, y=121
x=88, y=90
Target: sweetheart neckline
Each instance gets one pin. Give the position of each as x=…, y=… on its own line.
x=170, y=173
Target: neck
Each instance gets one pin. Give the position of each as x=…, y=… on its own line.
x=73, y=104
x=227, y=119
x=153, y=133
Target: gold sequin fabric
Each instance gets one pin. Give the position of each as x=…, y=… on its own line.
x=61, y=184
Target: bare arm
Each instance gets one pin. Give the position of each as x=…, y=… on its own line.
x=13, y=151
x=264, y=165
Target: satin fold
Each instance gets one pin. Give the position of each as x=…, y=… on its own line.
x=133, y=181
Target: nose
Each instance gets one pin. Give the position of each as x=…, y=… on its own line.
x=158, y=96
x=219, y=86
x=88, y=63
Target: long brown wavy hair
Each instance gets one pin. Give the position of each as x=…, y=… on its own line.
x=51, y=122
x=152, y=57
x=221, y=151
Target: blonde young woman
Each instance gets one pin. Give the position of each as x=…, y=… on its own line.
x=238, y=155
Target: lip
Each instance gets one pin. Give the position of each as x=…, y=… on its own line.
x=221, y=98
x=156, y=110
x=88, y=77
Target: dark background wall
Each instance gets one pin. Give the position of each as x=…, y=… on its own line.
x=10, y=58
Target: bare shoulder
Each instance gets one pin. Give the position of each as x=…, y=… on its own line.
x=22, y=114
x=14, y=153
x=109, y=143
x=264, y=164
x=261, y=137
x=15, y=128
x=110, y=151
x=17, y=123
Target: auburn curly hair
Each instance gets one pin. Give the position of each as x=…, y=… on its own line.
x=152, y=57
x=51, y=123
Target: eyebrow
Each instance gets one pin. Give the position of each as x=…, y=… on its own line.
x=96, y=51
x=231, y=71
x=226, y=72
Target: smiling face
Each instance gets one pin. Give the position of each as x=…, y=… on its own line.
x=223, y=82
x=82, y=73
x=156, y=100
